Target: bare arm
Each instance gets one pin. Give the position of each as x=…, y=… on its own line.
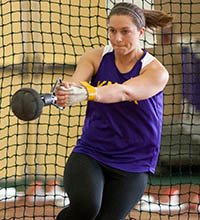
x=86, y=68
x=152, y=80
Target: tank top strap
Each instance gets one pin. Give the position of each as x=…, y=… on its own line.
x=107, y=49
x=148, y=58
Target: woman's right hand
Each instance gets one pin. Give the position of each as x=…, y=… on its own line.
x=63, y=95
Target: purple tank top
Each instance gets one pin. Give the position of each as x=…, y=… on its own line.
x=124, y=135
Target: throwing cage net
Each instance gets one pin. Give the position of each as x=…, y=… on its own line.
x=43, y=40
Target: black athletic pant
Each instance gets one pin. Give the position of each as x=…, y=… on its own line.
x=99, y=192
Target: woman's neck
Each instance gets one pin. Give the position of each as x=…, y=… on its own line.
x=126, y=62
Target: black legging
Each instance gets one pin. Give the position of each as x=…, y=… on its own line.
x=99, y=192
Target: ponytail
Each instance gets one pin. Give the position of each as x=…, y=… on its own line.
x=154, y=19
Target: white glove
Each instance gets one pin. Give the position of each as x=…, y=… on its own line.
x=81, y=93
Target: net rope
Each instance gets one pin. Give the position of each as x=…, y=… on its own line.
x=43, y=40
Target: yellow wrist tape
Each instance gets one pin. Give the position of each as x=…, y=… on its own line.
x=90, y=89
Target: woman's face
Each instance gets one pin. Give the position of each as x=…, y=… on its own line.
x=124, y=35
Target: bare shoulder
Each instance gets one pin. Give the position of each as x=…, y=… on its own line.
x=155, y=65
x=94, y=56
x=156, y=72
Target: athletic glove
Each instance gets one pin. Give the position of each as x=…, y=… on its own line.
x=80, y=93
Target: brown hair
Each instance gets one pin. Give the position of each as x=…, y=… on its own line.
x=141, y=18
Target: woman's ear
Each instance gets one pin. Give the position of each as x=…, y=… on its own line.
x=142, y=30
